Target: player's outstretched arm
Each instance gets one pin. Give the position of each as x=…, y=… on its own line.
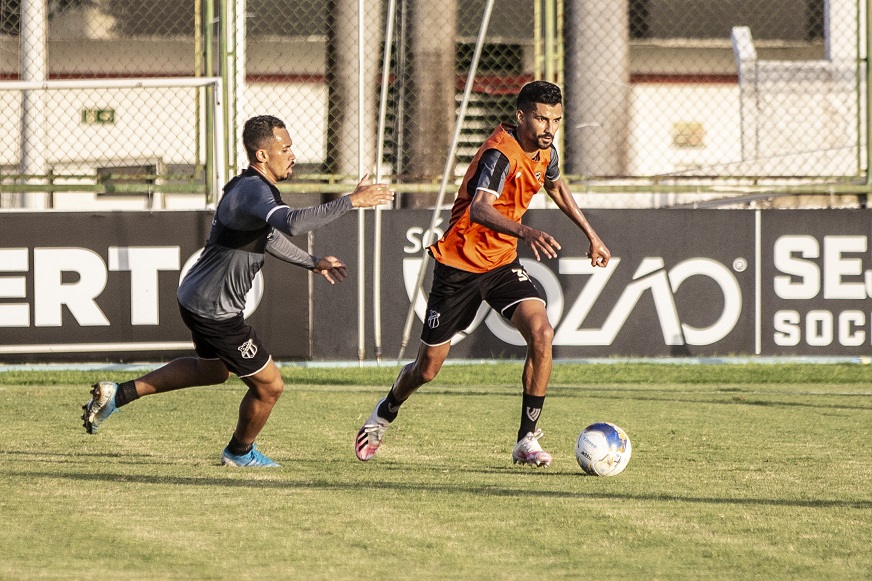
x=559, y=192
x=367, y=195
x=299, y=221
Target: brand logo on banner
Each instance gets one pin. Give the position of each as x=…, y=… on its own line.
x=808, y=270
x=53, y=292
x=568, y=314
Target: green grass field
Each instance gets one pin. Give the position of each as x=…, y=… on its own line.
x=738, y=472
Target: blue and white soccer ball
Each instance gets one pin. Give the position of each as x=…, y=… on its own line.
x=603, y=449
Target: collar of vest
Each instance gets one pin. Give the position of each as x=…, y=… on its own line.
x=512, y=131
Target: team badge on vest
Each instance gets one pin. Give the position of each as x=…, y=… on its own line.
x=433, y=319
x=539, y=176
x=248, y=349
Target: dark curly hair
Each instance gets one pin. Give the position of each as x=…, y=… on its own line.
x=538, y=92
x=258, y=131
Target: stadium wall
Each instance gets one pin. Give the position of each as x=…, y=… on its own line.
x=100, y=287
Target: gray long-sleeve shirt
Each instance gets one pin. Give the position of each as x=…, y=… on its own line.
x=251, y=219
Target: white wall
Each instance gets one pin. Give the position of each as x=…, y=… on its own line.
x=140, y=135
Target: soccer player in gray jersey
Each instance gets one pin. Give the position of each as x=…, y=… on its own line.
x=251, y=219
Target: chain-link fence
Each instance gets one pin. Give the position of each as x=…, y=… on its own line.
x=306, y=71
x=768, y=93
x=661, y=96
x=73, y=133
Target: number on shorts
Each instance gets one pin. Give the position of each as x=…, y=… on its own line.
x=522, y=274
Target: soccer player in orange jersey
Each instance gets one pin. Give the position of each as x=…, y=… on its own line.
x=477, y=260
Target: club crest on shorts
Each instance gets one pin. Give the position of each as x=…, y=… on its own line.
x=433, y=319
x=248, y=349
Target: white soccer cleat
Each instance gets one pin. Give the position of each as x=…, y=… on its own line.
x=528, y=451
x=370, y=435
x=101, y=405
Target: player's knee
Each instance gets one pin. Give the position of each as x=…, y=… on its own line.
x=267, y=391
x=542, y=335
x=276, y=388
x=427, y=372
x=270, y=392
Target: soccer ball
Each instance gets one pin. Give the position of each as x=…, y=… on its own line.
x=603, y=449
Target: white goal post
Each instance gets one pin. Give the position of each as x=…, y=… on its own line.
x=34, y=116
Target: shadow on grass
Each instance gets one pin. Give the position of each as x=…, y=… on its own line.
x=124, y=458
x=726, y=397
x=723, y=396
x=483, y=490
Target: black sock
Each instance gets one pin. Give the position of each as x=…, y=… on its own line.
x=531, y=408
x=390, y=407
x=237, y=448
x=126, y=393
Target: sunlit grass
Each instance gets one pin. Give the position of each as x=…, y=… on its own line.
x=735, y=475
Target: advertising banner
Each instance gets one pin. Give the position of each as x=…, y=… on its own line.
x=101, y=286
x=816, y=282
x=691, y=283
x=680, y=283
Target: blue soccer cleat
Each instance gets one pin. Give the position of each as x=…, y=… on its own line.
x=101, y=406
x=253, y=459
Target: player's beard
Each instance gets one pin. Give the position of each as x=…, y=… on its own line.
x=545, y=141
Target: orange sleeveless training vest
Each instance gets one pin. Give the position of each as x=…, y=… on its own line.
x=475, y=248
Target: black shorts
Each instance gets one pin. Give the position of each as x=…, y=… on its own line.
x=230, y=340
x=456, y=295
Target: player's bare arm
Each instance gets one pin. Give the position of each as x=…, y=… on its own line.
x=559, y=192
x=482, y=211
x=331, y=268
x=367, y=195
